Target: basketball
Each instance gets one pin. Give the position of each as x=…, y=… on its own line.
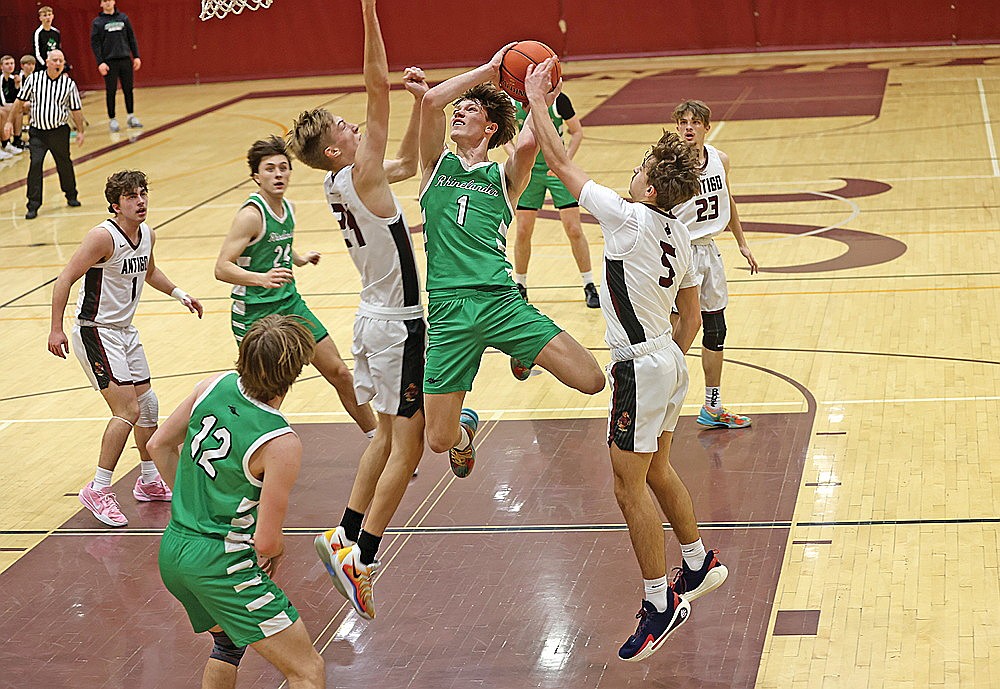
x=515, y=63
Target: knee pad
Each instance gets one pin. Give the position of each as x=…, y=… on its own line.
x=713, y=326
x=149, y=409
x=225, y=650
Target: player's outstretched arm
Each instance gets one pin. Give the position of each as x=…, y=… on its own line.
x=689, y=310
x=734, y=225
x=95, y=248
x=245, y=228
x=279, y=459
x=404, y=165
x=537, y=85
x=158, y=280
x=369, y=174
x=163, y=445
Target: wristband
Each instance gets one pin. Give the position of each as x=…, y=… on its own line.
x=180, y=295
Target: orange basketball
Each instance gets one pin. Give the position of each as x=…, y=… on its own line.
x=515, y=63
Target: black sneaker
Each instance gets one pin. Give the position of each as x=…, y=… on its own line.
x=694, y=584
x=73, y=203
x=654, y=628
x=522, y=290
x=31, y=214
x=591, y=297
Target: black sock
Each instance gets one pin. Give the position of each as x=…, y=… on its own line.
x=352, y=523
x=368, y=543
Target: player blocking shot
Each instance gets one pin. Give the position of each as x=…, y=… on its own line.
x=467, y=203
x=257, y=258
x=647, y=270
x=115, y=261
x=390, y=333
x=232, y=477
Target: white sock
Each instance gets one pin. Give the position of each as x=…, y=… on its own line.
x=694, y=554
x=466, y=440
x=521, y=279
x=370, y=434
x=149, y=472
x=587, y=277
x=102, y=478
x=656, y=592
x=713, y=397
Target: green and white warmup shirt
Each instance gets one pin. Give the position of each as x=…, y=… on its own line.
x=215, y=495
x=272, y=248
x=466, y=214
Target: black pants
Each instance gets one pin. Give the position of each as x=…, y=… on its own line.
x=119, y=69
x=57, y=141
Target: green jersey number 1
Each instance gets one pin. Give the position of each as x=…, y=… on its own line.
x=463, y=207
x=204, y=458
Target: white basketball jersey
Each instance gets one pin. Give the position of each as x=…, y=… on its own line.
x=381, y=248
x=647, y=259
x=707, y=214
x=110, y=290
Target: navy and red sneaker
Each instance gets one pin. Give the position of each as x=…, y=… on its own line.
x=654, y=628
x=693, y=584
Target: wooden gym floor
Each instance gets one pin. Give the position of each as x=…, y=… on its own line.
x=859, y=514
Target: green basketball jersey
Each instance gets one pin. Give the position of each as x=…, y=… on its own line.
x=466, y=215
x=271, y=249
x=522, y=115
x=214, y=493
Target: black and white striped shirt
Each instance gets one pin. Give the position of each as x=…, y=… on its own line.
x=53, y=99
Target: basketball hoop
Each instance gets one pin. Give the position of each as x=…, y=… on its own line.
x=220, y=8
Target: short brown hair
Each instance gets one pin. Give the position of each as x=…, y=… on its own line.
x=6, y=57
x=698, y=110
x=672, y=169
x=272, y=355
x=45, y=8
x=499, y=110
x=265, y=148
x=28, y=60
x=310, y=136
x=124, y=182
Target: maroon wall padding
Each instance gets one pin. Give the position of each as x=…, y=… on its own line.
x=314, y=37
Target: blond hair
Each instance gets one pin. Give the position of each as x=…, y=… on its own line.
x=272, y=355
x=310, y=136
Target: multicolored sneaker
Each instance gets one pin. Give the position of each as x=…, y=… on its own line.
x=722, y=419
x=520, y=371
x=103, y=504
x=694, y=584
x=356, y=579
x=462, y=461
x=327, y=544
x=155, y=490
x=654, y=628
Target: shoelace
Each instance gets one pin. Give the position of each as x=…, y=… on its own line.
x=677, y=582
x=109, y=500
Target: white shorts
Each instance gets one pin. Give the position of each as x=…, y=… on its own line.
x=710, y=274
x=647, y=394
x=389, y=364
x=110, y=355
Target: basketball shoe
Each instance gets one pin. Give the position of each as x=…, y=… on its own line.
x=462, y=461
x=722, y=419
x=356, y=580
x=654, y=628
x=154, y=490
x=327, y=544
x=103, y=504
x=591, y=296
x=520, y=371
x=694, y=584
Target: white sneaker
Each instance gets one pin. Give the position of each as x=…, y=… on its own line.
x=12, y=149
x=114, y=126
x=4, y=155
x=134, y=122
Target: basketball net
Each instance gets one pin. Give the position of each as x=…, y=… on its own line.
x=220, y=8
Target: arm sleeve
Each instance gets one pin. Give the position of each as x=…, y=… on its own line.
x=564, y=107
x=132, y=43
x=618, y=218
x=73, y=97
x=96, y=42
x=27, y=89
x=36, y=46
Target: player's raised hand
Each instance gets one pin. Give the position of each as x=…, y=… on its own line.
x=415, y=81
x=497, y=59
x=58, y=344
x=538, y=79
x=274, y=278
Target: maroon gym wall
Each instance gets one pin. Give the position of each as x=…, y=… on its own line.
x=307, y=37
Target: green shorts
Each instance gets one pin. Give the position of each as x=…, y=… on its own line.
x=225, y=589
x=462, y=323
x=245, y=315
x=533, y=195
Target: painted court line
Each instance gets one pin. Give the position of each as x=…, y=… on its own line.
x=989, y=128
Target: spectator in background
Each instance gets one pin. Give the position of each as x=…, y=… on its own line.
x=28, y=63
x=9, y=86
x=46, y=36
x=55, y=99
x=117, y=54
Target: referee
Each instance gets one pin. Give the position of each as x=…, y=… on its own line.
x=55, y=98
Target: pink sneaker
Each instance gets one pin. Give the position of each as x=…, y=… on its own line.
x=103, y=504
x=148, y=492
